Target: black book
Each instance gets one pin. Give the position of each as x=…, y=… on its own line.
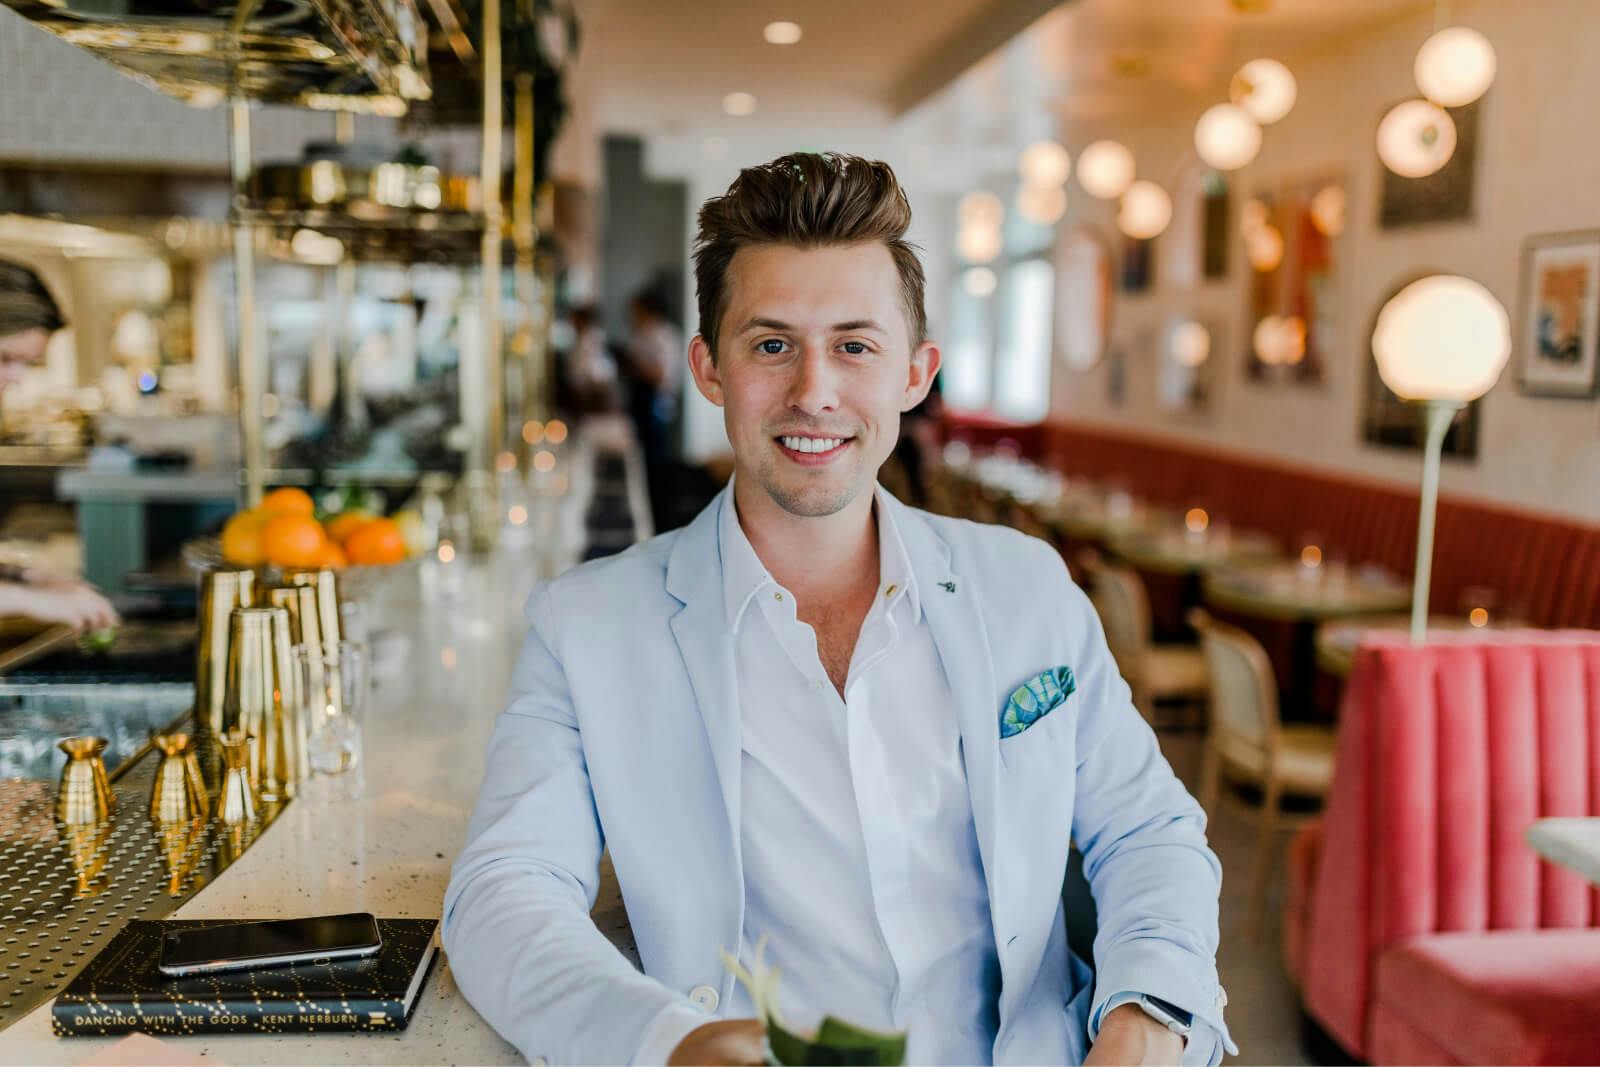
x=122, y=990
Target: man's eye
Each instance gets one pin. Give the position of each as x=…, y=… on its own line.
x=855, y=348
x=771, y=348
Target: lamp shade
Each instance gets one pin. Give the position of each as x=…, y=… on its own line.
x=1265, y=89
x=1443, y=337
x=1455, y=66
x=1146, y=210
x=1416, y=138
x=1105, y=169
x=1043, y=204
x=1227, y=137
x=1045, y=163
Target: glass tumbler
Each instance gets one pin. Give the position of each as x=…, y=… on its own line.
x=337, y=683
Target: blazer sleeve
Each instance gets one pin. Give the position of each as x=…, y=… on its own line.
x=1154, y=880
x=516, y=923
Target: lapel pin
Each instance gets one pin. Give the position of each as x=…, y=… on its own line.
x=948, y=587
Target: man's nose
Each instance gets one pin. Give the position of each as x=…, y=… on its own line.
x=813, y=389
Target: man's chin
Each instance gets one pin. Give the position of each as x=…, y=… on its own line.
x=812, y=501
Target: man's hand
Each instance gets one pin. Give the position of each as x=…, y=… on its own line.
x=730, y=1041
x=1129, y=1036
x=78, y=606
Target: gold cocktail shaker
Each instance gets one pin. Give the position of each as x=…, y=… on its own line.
x=263, y=699
x=237, y=803
x=326, y=585
x=220, y=592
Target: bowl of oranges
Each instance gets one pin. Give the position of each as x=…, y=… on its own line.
x=284, y=533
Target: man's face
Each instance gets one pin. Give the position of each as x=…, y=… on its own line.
x=814, y=366
x=20, y=352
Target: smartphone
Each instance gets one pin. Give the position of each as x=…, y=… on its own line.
x=241, y=946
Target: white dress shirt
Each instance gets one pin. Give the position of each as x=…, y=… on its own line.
x=861, y=862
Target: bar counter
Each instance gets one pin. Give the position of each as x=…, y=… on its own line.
x=441, y=669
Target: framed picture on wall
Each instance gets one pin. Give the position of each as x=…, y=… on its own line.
x=1558, y=332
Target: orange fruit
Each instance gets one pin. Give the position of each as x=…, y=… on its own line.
x=288, y=499
x=332, y=556
x=377, y=542
x=292, y=540
x=241, y=539
x=342, y=525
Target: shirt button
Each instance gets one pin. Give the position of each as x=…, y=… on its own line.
x=889, y=592
x=704, y=997
x=777, y=596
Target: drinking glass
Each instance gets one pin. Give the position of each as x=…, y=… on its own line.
x=337, y=683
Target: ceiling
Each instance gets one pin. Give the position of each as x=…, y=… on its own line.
x=663, y=68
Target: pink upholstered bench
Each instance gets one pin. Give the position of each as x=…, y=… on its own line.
x=1506, y=996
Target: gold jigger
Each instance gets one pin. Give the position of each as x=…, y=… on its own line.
x=86, y=845
x=85, y=795
x=263, y=698
x=220, y=593
x=326, y=584
x=237, y=805
x=179, y=793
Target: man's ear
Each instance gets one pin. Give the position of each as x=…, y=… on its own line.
x=925, y=363
x=704, y=368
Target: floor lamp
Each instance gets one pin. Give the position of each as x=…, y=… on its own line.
x=1441, y=342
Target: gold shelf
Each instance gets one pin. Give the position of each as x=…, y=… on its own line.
x=367, y=56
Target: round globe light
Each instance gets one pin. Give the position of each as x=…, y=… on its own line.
x=1146, y=210
x=1265, y=89
x=1416, y=138
x=1263, y=247
x=1455, y=66
x=1190, y=343
x=739, y=104
x=1045, y=163
x=1328, y=210
x=1443, y=337
x=979, y=281
x=980, y=208
x=1268, y=340
x=1043, y=204
x=1227, y=137
x=1105, y=170
x=978, y=244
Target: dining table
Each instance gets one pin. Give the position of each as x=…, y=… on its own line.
x=1338, y=639
x=1303, y=597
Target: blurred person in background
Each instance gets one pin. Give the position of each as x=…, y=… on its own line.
x=591, y=371
x=655, y=371
x=28, y=318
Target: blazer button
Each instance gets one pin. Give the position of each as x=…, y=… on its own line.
x=704, y=997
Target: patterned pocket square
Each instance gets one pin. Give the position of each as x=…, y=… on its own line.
x=1036, y=698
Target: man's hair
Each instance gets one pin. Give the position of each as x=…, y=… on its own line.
x=806, y=200
x=25, y=303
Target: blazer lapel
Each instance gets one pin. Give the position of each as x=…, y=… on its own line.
x=694, y=577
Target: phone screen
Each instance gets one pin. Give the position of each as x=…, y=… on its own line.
x=241, y=944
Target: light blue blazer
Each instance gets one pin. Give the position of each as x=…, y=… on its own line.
x=622, y=733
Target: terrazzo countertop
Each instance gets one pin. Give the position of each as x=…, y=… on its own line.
x=441, y=667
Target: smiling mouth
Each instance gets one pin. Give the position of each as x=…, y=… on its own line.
x=804, y=448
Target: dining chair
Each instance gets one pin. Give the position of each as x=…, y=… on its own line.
x=1154, y=672
x=1247, y=744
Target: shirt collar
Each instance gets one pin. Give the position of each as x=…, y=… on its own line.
x=744, y=575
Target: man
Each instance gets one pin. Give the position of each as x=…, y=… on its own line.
x=819, y=718
x=28, y=316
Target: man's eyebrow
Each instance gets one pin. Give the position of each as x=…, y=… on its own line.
x=838, y=327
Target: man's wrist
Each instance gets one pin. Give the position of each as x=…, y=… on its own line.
x=1129, y=1018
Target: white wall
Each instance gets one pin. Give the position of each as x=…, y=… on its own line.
x=1539, y=169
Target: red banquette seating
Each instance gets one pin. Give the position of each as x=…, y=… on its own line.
x=1421, y=928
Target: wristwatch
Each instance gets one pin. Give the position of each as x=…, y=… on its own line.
x=1167, y=1014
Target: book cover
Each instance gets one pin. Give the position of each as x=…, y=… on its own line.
x=122, y=990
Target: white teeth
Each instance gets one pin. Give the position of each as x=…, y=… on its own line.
x=812, y=444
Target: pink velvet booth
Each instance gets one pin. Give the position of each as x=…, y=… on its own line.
x=1420, y=926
